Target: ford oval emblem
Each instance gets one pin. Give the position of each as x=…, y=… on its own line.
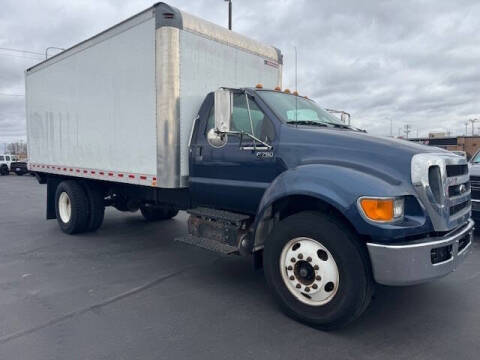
x=462, y=189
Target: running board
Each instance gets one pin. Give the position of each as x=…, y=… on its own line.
x=207, y=244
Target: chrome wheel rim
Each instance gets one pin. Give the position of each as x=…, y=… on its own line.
x=309, y=271
x=64, y=207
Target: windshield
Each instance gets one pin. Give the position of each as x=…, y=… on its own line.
x=297, y=110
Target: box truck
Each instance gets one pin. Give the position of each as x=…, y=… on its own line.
x=166, y=112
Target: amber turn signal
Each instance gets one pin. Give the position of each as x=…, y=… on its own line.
x=382, y=209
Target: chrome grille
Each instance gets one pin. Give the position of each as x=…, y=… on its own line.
x=458, y=180
x=446, y=196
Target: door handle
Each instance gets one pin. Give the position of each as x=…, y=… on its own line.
x=197, y=152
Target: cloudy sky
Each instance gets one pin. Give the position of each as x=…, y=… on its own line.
x=385, y=62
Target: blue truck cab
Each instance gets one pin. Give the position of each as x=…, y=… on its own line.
x=279, y=159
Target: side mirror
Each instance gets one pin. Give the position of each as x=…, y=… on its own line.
x=223, y=110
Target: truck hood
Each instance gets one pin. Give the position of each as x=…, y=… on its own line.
x=306, y=145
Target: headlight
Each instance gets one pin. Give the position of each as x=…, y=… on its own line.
x=381, y=209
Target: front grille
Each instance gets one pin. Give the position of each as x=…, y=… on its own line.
x=456, y=170
x=459, y=207
x=443, y=184
x=456, y=190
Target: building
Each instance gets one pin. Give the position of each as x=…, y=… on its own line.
x=469, y=144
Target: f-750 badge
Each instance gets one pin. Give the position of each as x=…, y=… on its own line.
x=264, y=154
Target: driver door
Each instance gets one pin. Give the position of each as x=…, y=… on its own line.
x=234, y=176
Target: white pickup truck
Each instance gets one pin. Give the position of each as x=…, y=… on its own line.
x=5, y=163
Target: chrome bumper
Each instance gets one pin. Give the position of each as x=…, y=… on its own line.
x=412, y=263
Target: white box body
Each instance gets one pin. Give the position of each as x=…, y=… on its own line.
x=120, y=106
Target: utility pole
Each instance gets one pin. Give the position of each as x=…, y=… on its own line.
x=229, y=14
x=407, y=130
x=466, y=127
x=391, y=128
x=473, y=121
x=417, y=133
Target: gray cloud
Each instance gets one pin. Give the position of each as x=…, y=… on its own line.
x=414, y=62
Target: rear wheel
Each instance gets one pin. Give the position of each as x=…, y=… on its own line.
x=317, y=270
x=71, y=207
x=155, y=213
x=96, y=204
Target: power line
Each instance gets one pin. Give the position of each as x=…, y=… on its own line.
x=3, y=94
x=22, y=56
x=21, y=51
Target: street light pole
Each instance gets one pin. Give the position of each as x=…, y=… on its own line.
x=229, y=14
x=473, y=121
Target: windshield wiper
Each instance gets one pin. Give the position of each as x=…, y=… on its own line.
x=341, y=126
x=306, y=122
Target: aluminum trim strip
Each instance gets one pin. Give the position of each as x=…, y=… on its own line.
x=97, y=174
x=167, y=68
x=214, y=32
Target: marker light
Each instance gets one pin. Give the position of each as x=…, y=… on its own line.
x=278, y=88
x=382, y=209
x=259, y=86
x=286, y=91
x=295, y=93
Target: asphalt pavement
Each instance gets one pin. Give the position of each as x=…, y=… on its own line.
x=129, y=291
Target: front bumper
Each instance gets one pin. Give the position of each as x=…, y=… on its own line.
x=415, y=262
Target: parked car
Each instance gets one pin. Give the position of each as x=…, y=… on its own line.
x=475, y=186
x=19, y=167
x=5, y=163
x=168, y=118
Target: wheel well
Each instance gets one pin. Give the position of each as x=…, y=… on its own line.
x=289, y=205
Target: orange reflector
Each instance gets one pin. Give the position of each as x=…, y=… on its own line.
x=286, y=91
x=259, y=86
x=377, y=209
x=295, y=93
x=278, y=88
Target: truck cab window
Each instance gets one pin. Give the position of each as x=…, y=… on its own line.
x=7, y=158
x=2, y=158
x=262, y=126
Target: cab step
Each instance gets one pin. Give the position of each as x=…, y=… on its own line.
x=207, y=244
x=218, y=230
x=219, y=215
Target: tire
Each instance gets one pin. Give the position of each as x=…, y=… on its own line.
x=96, y=206
x=4, y=170
x=155, y=213
x=19, y=173
x=340, y=297
x=71, y=207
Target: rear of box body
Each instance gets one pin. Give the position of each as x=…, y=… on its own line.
x=120, y=106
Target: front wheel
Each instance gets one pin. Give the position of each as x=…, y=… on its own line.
x=4, y=170
x=317, y=270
